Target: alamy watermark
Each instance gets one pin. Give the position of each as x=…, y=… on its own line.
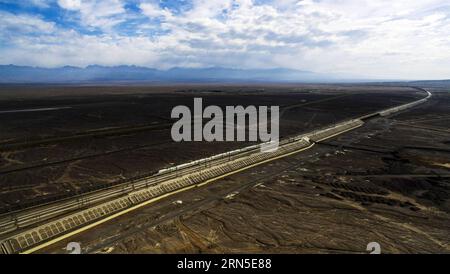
x=229, y=126
x=374, y=248
x=73, y=248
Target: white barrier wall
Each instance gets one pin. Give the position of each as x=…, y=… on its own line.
x=38, y=235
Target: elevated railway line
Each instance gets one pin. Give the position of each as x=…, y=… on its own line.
x=29, y=230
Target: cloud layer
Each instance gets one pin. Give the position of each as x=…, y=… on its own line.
x=408, y=39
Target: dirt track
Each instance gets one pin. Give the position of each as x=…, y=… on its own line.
x=368, y=185
x=106, y=138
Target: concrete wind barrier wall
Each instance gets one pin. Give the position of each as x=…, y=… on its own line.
x=405, y=106
x=40, y=234
x=400, y=108
x=329, y=132
x=35, y=236
x=139, y=192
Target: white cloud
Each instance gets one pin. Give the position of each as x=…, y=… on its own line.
x=386, y=39
x=103, y=14
x=23, y=24
x=41, y=3
x=153, y=10
x=70, y=4
x=35, y=3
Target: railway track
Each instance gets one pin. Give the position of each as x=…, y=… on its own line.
x=13, y=145
x=29, y=230
x=20, y=144
x=188, y=208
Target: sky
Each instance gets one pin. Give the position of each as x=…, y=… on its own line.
x=380, y=39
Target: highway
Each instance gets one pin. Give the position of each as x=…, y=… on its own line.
x=32, y=229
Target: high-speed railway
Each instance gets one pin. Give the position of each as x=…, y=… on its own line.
x=29, y=230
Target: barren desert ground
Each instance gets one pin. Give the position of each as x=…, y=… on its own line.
x=386, y=182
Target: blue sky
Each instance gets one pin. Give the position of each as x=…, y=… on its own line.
x=405, y=39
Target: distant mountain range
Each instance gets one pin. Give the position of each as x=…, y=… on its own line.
x=95, y=73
